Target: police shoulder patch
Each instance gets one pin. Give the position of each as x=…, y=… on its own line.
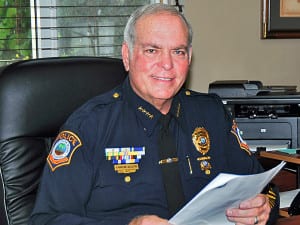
x=236, y=132
x=63, y=149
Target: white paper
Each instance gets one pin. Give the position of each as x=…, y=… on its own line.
x=287, y=197
x=225, y=191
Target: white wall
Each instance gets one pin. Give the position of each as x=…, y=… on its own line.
x=227, y=45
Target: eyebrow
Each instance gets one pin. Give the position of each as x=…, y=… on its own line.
x=159, y=47
x=150, y=45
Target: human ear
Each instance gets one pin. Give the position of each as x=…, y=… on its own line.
x=190, y=54
x=125, y=55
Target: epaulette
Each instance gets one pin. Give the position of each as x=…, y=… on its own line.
x=99, y=101
x=110, y=96
x=104, y=99
x=188, y=92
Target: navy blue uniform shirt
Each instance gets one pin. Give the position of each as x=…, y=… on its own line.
x=103, y=167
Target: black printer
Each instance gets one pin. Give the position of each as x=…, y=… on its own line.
x=268, y=116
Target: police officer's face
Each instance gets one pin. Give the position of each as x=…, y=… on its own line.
x=158, y=64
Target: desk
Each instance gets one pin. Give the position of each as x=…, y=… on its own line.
x=291, y=158
x=293, y=220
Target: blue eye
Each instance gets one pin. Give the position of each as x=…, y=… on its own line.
x=180, y=52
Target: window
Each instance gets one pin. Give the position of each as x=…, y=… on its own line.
x=15, y=30
x=51, y=28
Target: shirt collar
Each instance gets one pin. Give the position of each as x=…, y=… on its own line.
x=147, y=113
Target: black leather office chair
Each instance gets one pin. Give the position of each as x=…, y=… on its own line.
x=36, y=97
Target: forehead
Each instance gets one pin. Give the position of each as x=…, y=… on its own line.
x=161, y=26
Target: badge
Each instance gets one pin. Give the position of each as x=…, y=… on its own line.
x=63, y=149
x=236, y=132
x=125, y=159
x=205, y=164
x=201, y=140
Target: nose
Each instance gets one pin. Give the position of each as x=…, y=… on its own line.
x=166, y=60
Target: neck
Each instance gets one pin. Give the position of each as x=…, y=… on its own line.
x=162, y=105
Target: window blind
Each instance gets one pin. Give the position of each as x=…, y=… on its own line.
x=57, y=28
x=77, y=27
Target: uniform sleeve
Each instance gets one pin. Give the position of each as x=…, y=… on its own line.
x=252, y=166
x=239, y=158
x=66, y=185
x=272, y=192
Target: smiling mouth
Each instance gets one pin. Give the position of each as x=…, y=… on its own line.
x=162, y=78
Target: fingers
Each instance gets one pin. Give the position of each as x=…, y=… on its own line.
x=260, y=220
x=251, y=211
x=148, y=220
x=257, y=201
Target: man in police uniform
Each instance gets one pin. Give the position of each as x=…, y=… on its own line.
x=105, y=166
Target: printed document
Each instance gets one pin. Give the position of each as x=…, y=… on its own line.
x=225, y=191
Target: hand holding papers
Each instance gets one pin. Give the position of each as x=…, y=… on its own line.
x=225, y=191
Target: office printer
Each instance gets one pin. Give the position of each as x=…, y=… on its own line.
x=245, y=88
x=268, y=116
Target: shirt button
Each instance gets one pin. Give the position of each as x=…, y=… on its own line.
x=127, y=179
x=116, y=95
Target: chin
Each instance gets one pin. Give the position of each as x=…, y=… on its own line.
x=164, y=97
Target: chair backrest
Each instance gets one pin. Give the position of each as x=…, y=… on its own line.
x=36, y=97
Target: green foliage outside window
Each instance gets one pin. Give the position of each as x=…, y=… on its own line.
x=15, y=30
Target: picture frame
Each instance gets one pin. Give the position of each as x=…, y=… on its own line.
x=280, y=19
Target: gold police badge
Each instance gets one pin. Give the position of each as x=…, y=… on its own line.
x=201, y=140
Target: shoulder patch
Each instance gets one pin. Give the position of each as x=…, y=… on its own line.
x=63, y=149
x=236, y=132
